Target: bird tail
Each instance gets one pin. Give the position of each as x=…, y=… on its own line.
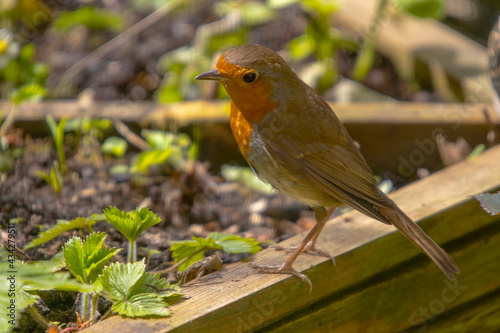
x=418, y=237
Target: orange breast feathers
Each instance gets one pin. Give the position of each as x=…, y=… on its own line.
x=242, y=130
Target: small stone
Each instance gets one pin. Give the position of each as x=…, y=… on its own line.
x=197, y=230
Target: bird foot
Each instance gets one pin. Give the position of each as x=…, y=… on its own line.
x=309, y=248
x=282, y=269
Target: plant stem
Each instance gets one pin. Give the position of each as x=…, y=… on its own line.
x=132, y=254
x=364, y=61
x=85, y=307
x=93, y=307
x=34, y=312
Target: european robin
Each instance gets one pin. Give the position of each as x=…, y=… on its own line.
x=291, y=138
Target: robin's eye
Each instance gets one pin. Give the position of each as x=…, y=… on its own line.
x=250, y=77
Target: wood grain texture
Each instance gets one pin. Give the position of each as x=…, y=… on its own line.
x=380, y=279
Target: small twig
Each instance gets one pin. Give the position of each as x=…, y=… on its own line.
x=493, y=132
x=9, y=121
x=167, y=270
x=129, y=135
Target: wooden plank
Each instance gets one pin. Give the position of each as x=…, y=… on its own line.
x=374, y=263
x=457, y=66
x=203, y=111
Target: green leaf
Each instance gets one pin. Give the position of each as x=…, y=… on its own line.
x=301, y=47
x=132, y=224
x=423, y=8
x=193, y=249
x=255, y=13
x=245, y=176
x=478, y=150
x=91, y=17
x=86, y=260
x=30, y=277
x=136, y=292
x=142, y=305
x=73, y=256
x=117, y=279
x=115, y=146
x=489, y=202
x=65, y=225
x=235, y=243
x=29, y=92
x=146, y=159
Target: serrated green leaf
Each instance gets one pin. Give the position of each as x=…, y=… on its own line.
x=30, y=277
x=193, y=249
x=235, y=243
x=132, y=224
x=142, y=305
x=489, y=202
x=92, y=245
x=62, y=226
x=99, y=261
x=117, y=279
x=73, y=256
x=86, y=260
x=26, y=297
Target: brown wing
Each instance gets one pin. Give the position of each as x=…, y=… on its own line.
x=327, y=157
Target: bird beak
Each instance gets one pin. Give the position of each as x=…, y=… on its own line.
x=212, y=75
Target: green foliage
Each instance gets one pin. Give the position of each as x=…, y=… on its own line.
x=54, y=179
x=57, y=130
x=174, y=149
x=65, y=225
x=423, y=8
x=115, y=146
x=194, y=249
x=490, y=202
x=21, y=77
x=28, y=92
x=320, y=40
x=131, y=224
x=91, y=17
x=85, y=260
x=31, y=277
x=478, y=150
x=7, y=157
x=245, y=176
x=87, y=125
x=136, y=293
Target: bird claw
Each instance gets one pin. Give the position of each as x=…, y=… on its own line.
x=282, y=269
x=309, y=248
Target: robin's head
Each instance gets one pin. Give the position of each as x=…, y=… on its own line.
x=254, y=76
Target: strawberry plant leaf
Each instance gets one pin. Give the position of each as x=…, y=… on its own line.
x=63, y=226
x=489, y=202
x=145, y=304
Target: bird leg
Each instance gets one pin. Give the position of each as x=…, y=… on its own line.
x=307, y=245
